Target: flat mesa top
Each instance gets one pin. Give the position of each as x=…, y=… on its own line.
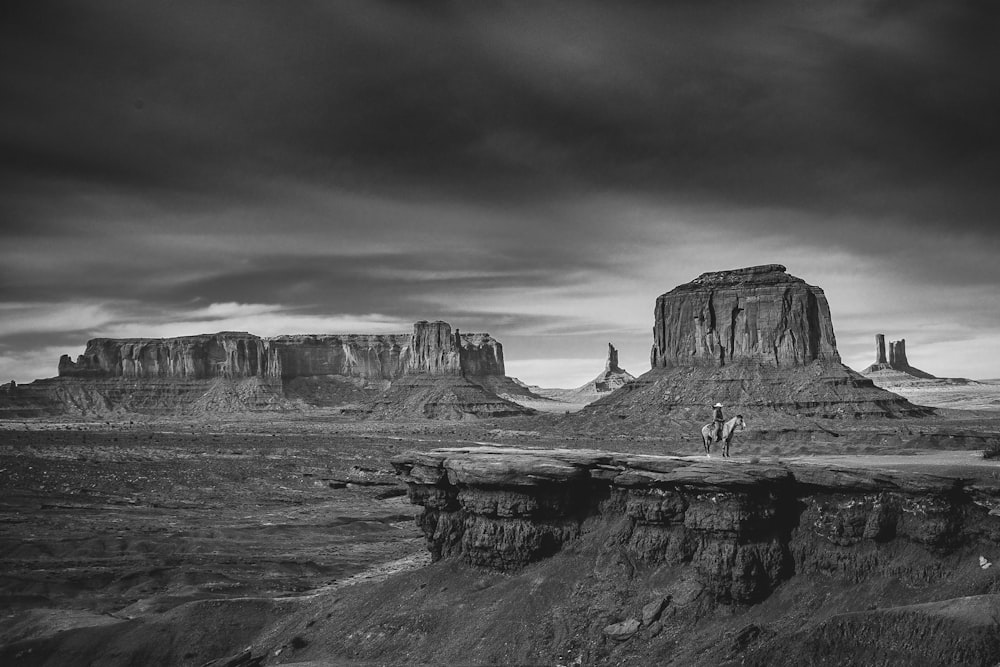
x=765, y=274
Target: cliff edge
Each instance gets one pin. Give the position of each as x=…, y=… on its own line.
x=773, y=552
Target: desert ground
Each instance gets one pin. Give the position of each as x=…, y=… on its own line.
x=127, y=519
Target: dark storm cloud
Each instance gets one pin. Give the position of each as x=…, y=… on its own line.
x=847, y=107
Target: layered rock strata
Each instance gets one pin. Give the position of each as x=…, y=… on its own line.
x=224, y=354
x=431, y=349
x=756, y=339
x=238, y=370
x=758, y=315
x=737, y=529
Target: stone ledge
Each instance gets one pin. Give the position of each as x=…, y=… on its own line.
x=506, y=466
x=740, y=528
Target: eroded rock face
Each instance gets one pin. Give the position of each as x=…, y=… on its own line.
x=755, y=339
x=226, y=354
x=896, y=361
x=370, y=356
x=481, y=355
x=614, y=376
x=431, y=372
x=432, y=349
x=740, y=528
x=759, y=315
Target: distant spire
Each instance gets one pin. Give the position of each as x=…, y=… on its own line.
x=612, y=363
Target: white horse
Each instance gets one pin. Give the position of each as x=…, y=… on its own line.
x=708, y=433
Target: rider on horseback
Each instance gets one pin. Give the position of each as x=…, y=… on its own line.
x=719, y=421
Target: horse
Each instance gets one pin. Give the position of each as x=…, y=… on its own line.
x=728, y=428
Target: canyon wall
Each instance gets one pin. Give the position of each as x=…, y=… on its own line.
x=759, y=315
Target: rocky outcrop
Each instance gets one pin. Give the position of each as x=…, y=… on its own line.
x=354, y=373
x=431, y=349
x=738, y=530
x=757, y=315
x=756, y=339
x=227, y=354
x=481, y=355
x=368, y=356
x=896, y=361
x=434, y=350
x=613, y=376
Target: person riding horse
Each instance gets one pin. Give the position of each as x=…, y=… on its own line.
x=719, y=421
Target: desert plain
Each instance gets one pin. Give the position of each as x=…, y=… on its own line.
x=106, y=522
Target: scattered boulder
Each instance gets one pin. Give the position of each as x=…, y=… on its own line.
x=651, y=612
x=623, y=631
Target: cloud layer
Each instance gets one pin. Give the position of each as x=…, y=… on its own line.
x=540, y=171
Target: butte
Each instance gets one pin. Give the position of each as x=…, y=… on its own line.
x=756, y=339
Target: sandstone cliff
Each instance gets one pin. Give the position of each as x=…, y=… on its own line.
x=225, y=354
x=370, y=356
x=655, y=538
x=431, y=349
x=759, y=315
x=239, y=371
x=757, y=340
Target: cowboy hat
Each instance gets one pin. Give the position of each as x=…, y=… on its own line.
x=717, y=405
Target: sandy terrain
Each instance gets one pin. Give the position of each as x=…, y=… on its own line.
x=138, y=519
x=983, y=395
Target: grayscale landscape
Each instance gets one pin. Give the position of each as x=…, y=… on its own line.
x=380, y=333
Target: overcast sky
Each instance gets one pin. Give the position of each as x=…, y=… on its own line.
x=538, y=170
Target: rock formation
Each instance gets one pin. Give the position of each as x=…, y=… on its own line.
x=613, y=376
x=897, y=359
x=504, y=508
x=756, y=339
x=756, y=315
x=227, y=354
x=431, y=349
x=729, y=534
x=351, y=370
